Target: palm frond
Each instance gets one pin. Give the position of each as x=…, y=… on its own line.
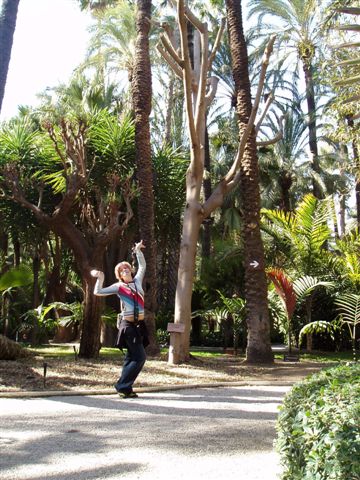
x=284, y=288
x=320, y=326
x=349, y=308
x=305, y=286
x=16, y=277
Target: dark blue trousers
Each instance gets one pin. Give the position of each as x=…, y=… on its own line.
x=134, y=360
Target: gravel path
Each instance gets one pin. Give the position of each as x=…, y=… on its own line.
x=207, y=433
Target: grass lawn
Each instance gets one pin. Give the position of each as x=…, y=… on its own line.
x=67, y=351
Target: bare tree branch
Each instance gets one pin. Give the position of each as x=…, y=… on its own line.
x=171, y=50
x=268, y=102
x=217, y=42
x=169, y=60
x=200, y=26
x=200, y=100
x=272, y=141
x=11, y=179
x=187, y=72
x=213, y=84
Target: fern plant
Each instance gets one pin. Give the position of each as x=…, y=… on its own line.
x=349, y=308
x=292, y=293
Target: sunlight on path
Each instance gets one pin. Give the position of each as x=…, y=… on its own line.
x=206, y=433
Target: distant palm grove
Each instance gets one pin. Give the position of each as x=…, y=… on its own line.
x=225, y=135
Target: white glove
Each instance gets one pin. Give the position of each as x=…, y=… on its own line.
x=97, y=274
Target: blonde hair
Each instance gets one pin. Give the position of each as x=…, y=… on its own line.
x=120, y=266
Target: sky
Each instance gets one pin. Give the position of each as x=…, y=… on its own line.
x=50, y=41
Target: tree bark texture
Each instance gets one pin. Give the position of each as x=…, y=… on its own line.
x=313, y=146
x=8, y=16
x=258, y=342
x=357, y=182
x=206, y=234
x=36, y=265
x=142, y=95
x=91, y=327
x=179, y=350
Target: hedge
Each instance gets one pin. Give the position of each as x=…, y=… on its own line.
x=318, y=428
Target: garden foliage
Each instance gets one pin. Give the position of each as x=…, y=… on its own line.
x=318, y=430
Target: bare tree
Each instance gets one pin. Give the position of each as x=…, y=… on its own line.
x=200, y=89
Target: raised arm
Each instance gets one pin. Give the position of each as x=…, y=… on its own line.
x=141, y=261
x=98, y=289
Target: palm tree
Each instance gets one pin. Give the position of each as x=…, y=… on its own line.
x=280, y=163
x=112, y=45
x=343, y=76
x=8, y=16
x=297, y=24
x=258, y=346
x=141, y=90
x=121, y=42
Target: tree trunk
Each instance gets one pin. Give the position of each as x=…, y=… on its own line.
x=285, y=183
x=258, y=323
x=17, y=252
x=206, y=237
x=172, y=269
x=141, y=91
x=357, y=182
x=90, y=333
x=36, y=298
x=8, y=16
x=179, y=349
x=169, y=110
x=309, y=336
x=4, y=246
x=5, y=306
x=5, y=300
x=342, y=215
x=310, y=99
x=108, y=335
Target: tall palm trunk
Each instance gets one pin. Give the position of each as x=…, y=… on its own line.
x=8, y=16
x=141, y=91
x=356, y=156
x=310, y=100
x=257, y=318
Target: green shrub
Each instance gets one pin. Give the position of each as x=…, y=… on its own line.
x=318, y=429
x=212, y=339
x=163, y=337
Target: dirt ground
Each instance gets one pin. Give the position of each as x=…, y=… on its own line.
x=27, y=374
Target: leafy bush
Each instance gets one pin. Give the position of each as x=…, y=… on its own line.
x=318, y=427
x=213, y=339
x=163, y=337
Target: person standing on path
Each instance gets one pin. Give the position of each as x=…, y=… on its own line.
x=132, y=329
